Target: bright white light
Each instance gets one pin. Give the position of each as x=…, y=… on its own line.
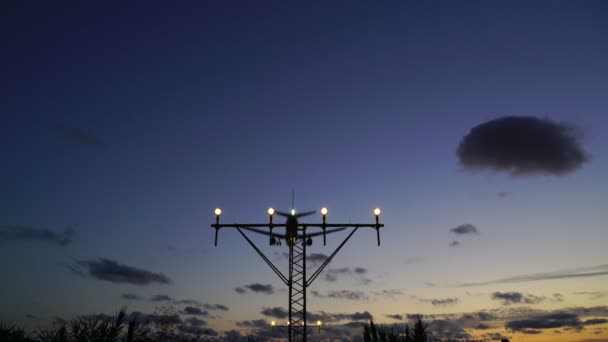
x=293, y=212
x=273, y=323
x=287, y=322
x=324, y=211
x=270, y=211
x=377, y=211
x=319, y=323
x=218, y=211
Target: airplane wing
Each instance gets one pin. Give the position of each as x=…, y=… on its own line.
x=306, y=213
x=263, y=232
x=281, y=213
x=321, y=233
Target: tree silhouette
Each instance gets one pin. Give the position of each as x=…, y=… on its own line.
x=415, y=331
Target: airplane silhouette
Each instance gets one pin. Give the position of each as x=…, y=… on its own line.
x=291, y=229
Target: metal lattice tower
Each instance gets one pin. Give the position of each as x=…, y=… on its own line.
x=297, y=239
x=297, y=291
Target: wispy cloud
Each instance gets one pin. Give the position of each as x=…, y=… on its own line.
x=26, y=233
x=584, y=272
x=359, y=273
x=441, y=301
x=592, y=294
x=454, y=243
x=388, y=293
x=160, y=298
x=114, y=272
x=130, y=296
x=342, y=294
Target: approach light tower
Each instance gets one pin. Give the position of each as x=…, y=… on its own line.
x=297, y=237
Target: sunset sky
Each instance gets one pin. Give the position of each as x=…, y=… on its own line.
x=125, y=125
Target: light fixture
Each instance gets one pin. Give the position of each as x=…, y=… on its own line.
x=218, y=212
x=293, y=212
x=287, y=322
x=270, y=211
x=319, y=323
x=273, y=323
x=377, y=211
x=324, y=211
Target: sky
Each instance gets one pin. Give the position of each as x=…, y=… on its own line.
x=125, y=125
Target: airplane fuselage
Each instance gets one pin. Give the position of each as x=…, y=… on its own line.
x=291, y=227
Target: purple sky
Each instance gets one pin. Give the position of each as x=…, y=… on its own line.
x=131, y=123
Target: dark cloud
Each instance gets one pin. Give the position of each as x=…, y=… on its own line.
x=193, y=310
x=239, y=290
x=465, y=229
x=145, y=318
x=441, y=302
x=395, y=316
x=216, y=307
x=25, y=233
x=342, y=294
x=522, y=145
x=188, y=302
x=316, y=258
x=454, y=243
x=256, y=323
x=195, y=330
x=595, y=321
x=557, y=297
x=333, y=274
x=281, y=313
x=583, y=272
x=496, y=336
x=360, y=270
x=482, y=326
x=508, y=298
x=78, y=136
x=160, y=298
x=502, y=194
x=276, y=312
x=449, y=330
x=195, y=321
x=547, y=321
x=260, y=288
x=112, y=271
x=130, y=296
x=358, y=316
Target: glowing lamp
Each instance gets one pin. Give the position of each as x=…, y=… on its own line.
x=377, y=211
x=218, y=212
x=273, y=323
x=324, y=211
x=270, y=211
x=319, y=323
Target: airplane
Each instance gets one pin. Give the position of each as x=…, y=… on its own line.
x=291, y=229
